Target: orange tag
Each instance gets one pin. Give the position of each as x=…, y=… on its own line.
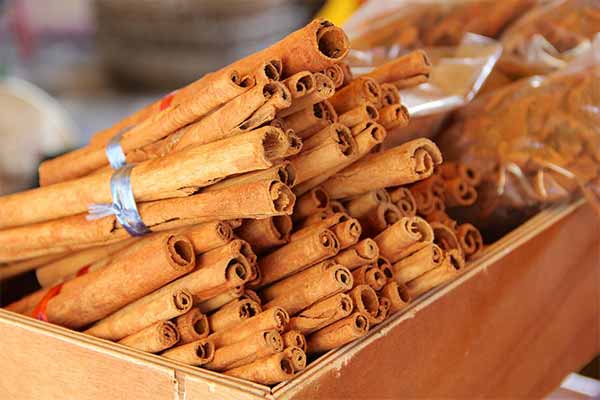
x=39, y=312
x=166, y=101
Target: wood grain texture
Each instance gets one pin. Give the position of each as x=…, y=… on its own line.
x=512, y=330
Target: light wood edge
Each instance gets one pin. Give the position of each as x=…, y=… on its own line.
x=336, y=359
x=246, y=389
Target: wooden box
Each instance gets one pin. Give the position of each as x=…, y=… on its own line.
x=521, y=318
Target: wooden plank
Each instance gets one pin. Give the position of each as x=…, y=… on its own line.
x=514, y=328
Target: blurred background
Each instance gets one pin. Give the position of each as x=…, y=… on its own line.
x=69, y=68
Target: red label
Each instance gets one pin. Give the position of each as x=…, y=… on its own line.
x=166, y=101
x=39, y=312
x=83, y=271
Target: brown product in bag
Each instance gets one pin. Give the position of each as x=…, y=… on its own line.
x=154, y=338
x=338, y=333
x=414, y=65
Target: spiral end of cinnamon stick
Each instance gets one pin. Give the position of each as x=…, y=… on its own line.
x=181, y=252
x=371, y=90
x=470, y=239
x=237, y=272
x=346, y=142
x=444, y=237
x=421, y=229
x=280, y=317
x=426, y=156
x=295, y=339
x=323, y=86
x=183, y=300
x=332, y=41
x=287, y=174
x=343, y=277
x=271, y=70
x=282, y=226
x=283, y=198
x=248, y=309
x=275, y=142
x=360, y=323
x=329, y=113
x=437, y=255
x=297, y=357
x=336, y=74
x=371, y=111
x=346, y=305
x=365, y=299
x=302, y=83
x=204, y=351
x=386, y=268
x=337, y=207
x=328, y=240
x=200, y=325
x=273, y=340
x=168, y=333
x=367, y=249
x=224, y=231
x=455, y=259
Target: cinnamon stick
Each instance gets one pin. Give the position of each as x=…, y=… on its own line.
x=403, y=238
x=361, y=113
x=282, y=172
x=397, y=295
x=334, y=280
x=401, y=165
x=297, y=255
x=347, y=232
x=316, y=218
x=293, y=338
x=359, y=91
x=322, y=313
x=437, y=276
x=192, y=326
x=309, y=203
x=142, y=313
x=336, y=74
x=338, y=333
x=233, y=314
x=337, y=207
x=441, y=217
x=452, y=169
x=369, y=275
x=348, y=77
x=274, y=318
x=380, y=218
x=266, y=234
x=445, y=237
x=363, y=252
x=256, y=346
x=363, y=204
x=415, y=63
x=221, y=299
x=421, y=261
x=154, y=338
x=310, y=120
x=470, y=240
x=300, y=84
x=195, y=353
x=324, y=89
x=382, y=312
x=411, y=82
x=267, y=371
x=327, y=222
x=237, y=248
x=404, y=200
x=297, y=356
x=459, y=194
x=386, y=267
x=209, y=236
x=297, y=280
x=365, y=301
x=389, y=95
x=393, y=116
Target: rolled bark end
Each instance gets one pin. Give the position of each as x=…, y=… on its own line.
x=332, y=41
x=367, y=249
x=286, y=366
x=455, y=259
x=294, y=339
x=329, y=112
x=200, y=325
x=319, y=197
x=375, y=278
x=168, y=333
x=354, y=229
x=390, y=214
x=275, y=143
x=323, y=85
x=470, y=239
x=437, y=255
x=404, y=200
x=250, y=295
x=273, y=340
x=181, y=251
x=387, y=271
x=237, y=272
x=182, y=299
x=248, y=309
x=295, y=143
x=281, y=318
x=365, y=299
x=328, y=240
x=346, y=304
x=205, y=350
x=381, y=195
x=290, y=175
x=297, y=356
x=336, y=74
x=371, y=90
x=344, y=277
x=421, y=230
x=305, y=83
x=246, y=81
x=445, y=237
x=282, y=226
x=283, y=198
x=468, y=174
x=272, y=70
x=371, y=111
x=224, y=231
x=360, y=323
x=426, y=156
x=319, y=110
x=347, y=143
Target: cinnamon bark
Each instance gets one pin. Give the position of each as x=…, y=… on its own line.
x=233, y=314
x=393, y=116
x=386, y=267
x=293, y=338
x=237, y=248
x=411, y=82
x=365, y=301
x=195, y=353
x=423, y=260
x=404, y=200
x=334, y=280
x=253, y=200
x=380, y=218
x=282, y=172
x=208, y=236
x=470, y=240
x=322, y=313
x=397, y=295
x=142, y=313
x=359, y=91
x=338, y=334
x=441, y=217
x=401, y=165
x=152, y=262
x=297, y=255
x=459, y=194
x=348, y=77
x=221, y=299
x=256, y=346
x=297, y=356
x=274, y=318
x=347, y=232
x=337, y=207
x=447, y=271
x=382, y=312
x=389, y=95
x=154, y=338
x=324, y=89
x=178, y=174
x=336, y=74
x=411, y=65
x=192, y=326
x=363, y=252
x=426, y=192
x=445, y=237
x=267, y=371
x=266, y=234
x=315, y=218
x=452, y=169
x=300, y=84
x=293, y=282
x=369, y=275
x=308, y=121
x=309, y=203
x=361, y=113
x=404, y=238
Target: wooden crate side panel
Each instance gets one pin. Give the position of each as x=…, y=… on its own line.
x=515, y=329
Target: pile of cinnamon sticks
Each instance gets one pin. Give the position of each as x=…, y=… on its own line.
x=272, y=234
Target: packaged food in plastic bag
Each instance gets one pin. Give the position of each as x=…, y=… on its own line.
x=549, y=36
x=535, y=142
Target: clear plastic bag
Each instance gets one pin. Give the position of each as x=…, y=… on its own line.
x=535, y=142
x=549, y=37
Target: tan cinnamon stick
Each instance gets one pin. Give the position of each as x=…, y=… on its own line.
x=297, y=255
x=309, y=203
x=293, y=282
x=300, y=84
x=336, y=74
x=397, y=295
x=274, y=318
x=359, y=91
x=363, y=204
x=401, y=165
x=267, y=198
x=154, y=338
x=441, y=217
x=421, y=261
x=403, y=238
x=361, y=113
x=322, y=313
x=237, y=248
x=452, y=169
x=293, y=338
x=267, y=371
x=282, y=172
x=297, y=356
x=8, y=270
x=425, y=193
x=434, y=277
x=315, y=218
x=334, y=280
x=459, y=194
x=266, y=234
x=380, y=218
x=209, y=236
x=192, y=326
x=187, y=171
x=142, y=313
x=308, y=121
x=256, y=346
x=389, y=95
x=369, y=275
x=325, y=153
x=445, y=237
x=470, y=240
x=347, y=232
x=195, y=353
x=404, y=200
x=363, y=252
x=386, y=267
x=412, y=64
x=326, y=222
x=324, y=89
x=411, y=82
x=393, y=116
x=365, y=301
x=221, y=299
x=233, y=314
x=382, y=312
x=338, y=333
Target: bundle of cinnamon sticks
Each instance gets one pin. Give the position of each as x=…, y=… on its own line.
x=273, y=235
